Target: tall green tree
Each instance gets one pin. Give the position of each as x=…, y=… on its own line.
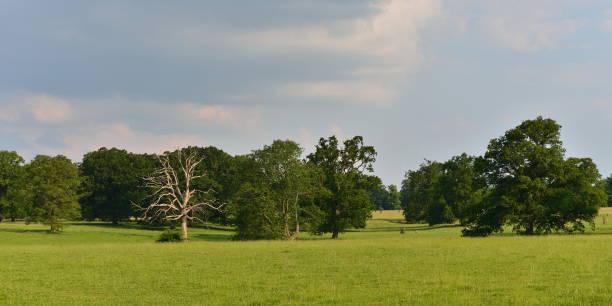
x=346, y=204
x=532, y=186
x=54, y=184
x=608, y=188
x=13, y=193
x=379, y=195
x=394, y=197
x=113, y=180
x=460, y=185
x=269, y=207
x=419, y=193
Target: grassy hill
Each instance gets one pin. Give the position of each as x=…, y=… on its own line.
x=96, y=263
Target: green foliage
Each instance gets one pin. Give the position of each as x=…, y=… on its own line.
x=346, y=204
x=533, y=187
x=384, y=197
x=170, y=235
x=13, y=186
x=608, y=188
x=222, y=179
x=419, y=191
x=54, y=183
x=270, y=205
x=112, y=182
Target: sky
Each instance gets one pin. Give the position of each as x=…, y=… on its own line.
x=418, y=79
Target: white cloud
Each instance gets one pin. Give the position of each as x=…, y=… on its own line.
x=48, y=109
x=120, y=135
x=241, y=117
x=359, y=92
x=391, y=36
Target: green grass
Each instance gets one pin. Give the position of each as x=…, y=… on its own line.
x=102, y=264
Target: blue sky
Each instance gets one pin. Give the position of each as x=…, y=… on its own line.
x=417, y=78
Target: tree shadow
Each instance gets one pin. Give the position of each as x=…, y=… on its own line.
x=23, y=231
x=135, y=226
x=209, y=237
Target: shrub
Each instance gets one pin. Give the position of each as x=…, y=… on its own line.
x=170, y=235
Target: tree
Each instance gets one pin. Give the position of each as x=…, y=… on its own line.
x=13, y=195
x=113, y=179
x=379, y=195
x=269, y=207
x=608, y=188
x=223, y=179
x=394, y=197
x=419, y=191
x=54, y=184
x=174, y=195
x=346, y=204
x=460, y=185
x=532, y=186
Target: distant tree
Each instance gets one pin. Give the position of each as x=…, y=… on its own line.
x=13, y=194
x=394, y=197
x=608, y=188
x=174, y=196
x=269, y=206
x=379, y=195
x=54, y=184
x=419, y=192
x=346, y=204
x=532, y=186
x=113, y=181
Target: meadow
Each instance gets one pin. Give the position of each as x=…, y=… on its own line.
x=101, y=264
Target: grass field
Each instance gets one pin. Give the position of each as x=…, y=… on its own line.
x=121, y=265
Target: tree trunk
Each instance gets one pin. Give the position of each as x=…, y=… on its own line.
x=335, y=235
x=529, y=229
x=184, y=226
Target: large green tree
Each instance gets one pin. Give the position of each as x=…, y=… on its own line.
x=269, y=206
x=54, y=184
x=419, y=192
x=13, y=193
x=532, y=186
x=113, y=181
x=346, y=204
x=460, y=186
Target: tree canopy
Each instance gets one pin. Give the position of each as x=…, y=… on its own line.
x=532, y=186
x=13, y=194
x=346, y=204
x=54, y=184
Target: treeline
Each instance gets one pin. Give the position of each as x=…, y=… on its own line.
x=271, y=193
x=523, y=180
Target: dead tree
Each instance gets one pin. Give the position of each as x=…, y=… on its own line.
x=173, y=195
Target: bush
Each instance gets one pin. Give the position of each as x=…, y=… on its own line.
x=170, y=235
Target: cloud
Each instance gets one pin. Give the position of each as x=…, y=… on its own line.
x=122, y=136
x=48, y=109
x=241, y=117
x=360, y=92
x=390, y=36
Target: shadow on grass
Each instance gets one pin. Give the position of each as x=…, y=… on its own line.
x=23, y=231
x=209, y=237
x=160, y=228
x=407, y=228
